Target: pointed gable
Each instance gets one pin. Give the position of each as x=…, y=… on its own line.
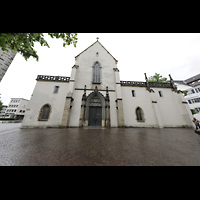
x=91, y=46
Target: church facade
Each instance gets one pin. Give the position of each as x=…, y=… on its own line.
x=94, y=95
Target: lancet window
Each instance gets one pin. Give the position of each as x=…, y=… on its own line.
x=96, y=72
x=139, y=114
x=44, y=113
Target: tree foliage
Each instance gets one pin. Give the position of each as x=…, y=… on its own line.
x=193, y=111
x=184, y=92
x=157, y=78
x=23, y=43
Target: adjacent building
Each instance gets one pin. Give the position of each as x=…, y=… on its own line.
x=6, y=58
x=16, y=108
x=192, y=94
x=3, y=111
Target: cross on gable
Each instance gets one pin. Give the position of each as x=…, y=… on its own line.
x=97, y=38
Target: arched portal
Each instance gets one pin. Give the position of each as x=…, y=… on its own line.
x=95, y=110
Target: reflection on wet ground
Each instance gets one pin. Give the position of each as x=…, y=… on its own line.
x=98, y=147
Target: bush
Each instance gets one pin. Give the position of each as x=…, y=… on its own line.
x=193, y=111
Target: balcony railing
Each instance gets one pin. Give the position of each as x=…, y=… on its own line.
x=133, y=83
x=143, y=84
x=52, y=78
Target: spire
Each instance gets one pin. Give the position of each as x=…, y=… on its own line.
x=146, y=77
x=170, y=77
x=84, y=94
x=107, y=95
x=172, y=83
x=147, y=84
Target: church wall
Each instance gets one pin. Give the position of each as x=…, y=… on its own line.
x=172, y=112
x=86, y=61
x=143, y=100
x=167, y=108
x=84, y=74
x=165, y=111
x=76, y=108
x=43, y=94
x=113, y=110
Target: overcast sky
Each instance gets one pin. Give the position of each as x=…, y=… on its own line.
x=177, y=54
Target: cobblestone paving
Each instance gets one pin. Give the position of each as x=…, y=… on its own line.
x=98, y=147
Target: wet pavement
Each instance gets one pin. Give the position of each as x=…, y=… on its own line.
x=98, y=147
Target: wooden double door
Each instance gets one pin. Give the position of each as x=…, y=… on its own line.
x=95, y=116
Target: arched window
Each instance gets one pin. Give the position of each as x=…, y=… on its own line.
x=44, y=113
x=139, y=114
x=96, y=72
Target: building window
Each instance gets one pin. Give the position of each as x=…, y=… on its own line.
x=160, y=93
x=133, y=93
x=189, y=101
x=198, y=109
x=96, y=73
x=56, y=88
x=197, y=99
x=44, y=113
x=139, y=115
x=97, y=54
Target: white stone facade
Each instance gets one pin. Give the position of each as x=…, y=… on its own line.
x=94, y=96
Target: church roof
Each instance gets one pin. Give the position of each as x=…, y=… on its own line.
x=92, y=45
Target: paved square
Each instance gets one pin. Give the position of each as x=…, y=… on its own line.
x=98, y=147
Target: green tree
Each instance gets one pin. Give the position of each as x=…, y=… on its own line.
x=157, y=78
x=184, y=92
x=23, y=43
x=193, y=111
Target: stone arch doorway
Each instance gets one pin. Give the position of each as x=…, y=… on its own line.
x=95, y=110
